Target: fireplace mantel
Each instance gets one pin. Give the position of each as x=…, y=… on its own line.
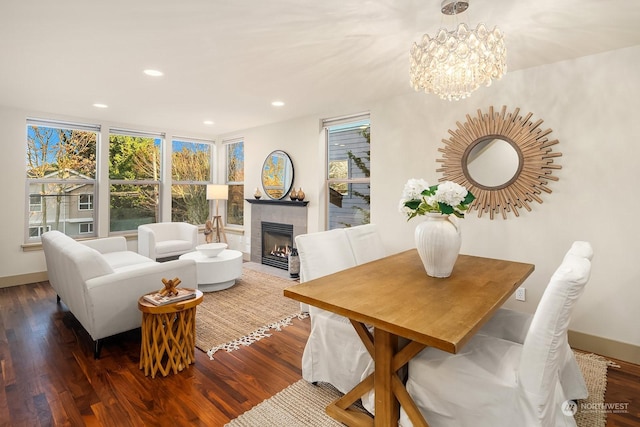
x=278, y=202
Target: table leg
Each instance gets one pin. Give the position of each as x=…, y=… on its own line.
x=389, y=388
x=386, y=404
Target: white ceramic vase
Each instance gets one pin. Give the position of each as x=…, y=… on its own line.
x=438, y=241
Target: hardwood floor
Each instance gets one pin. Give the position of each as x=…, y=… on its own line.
x=49, y=376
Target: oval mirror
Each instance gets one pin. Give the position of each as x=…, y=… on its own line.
x=491, y=162
x=504, y=159
x=277, y=175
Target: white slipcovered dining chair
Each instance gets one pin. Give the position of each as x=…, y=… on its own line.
x=497, y=382
x=334, y=353
x=513, y=326
x=366, y=243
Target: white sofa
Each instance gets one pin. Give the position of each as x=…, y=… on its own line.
x=334, y=353
x=100, y=281
x=166, y=239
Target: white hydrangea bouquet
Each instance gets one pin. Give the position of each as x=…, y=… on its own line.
x=420, y=198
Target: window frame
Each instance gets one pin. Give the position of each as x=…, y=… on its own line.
x=88, y=203
x=38, y=174
x=90, y=226
x=159, y=142
x=329, y=126
x=39, y=204
x=227, y=147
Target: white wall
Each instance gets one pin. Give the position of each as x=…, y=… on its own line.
x=13, y=143
x=589, y=103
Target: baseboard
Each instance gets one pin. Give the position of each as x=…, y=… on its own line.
x=23, y=279
x=605, y=347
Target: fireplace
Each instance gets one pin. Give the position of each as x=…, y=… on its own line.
x=277, y=241
x=275, y=212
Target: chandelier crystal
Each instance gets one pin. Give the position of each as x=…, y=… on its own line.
x=456, y=63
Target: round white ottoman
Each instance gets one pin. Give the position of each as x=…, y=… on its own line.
x=216, y=273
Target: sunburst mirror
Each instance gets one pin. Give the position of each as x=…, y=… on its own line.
x=504, y=159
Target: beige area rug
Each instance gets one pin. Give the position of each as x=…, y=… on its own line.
x=246, y=312
x=590, y=411
x=303, y=404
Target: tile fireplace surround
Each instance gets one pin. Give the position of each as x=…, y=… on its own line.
x=277, y=211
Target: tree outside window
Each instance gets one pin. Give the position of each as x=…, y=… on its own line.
x=235, y=180
x=190, y=172
x=134, y=173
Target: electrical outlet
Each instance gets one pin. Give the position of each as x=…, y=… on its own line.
x=521, y=294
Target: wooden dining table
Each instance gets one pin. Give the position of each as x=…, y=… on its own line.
x=396, y=297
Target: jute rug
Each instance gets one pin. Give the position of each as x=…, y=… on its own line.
x=246, y=312
x=303, y=405
x=590, y=411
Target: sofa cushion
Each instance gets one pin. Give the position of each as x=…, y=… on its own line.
x=171, y=246
x=88, y=261
x=121, y=259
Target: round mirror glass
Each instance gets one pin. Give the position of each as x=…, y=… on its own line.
x=492, y=162
x=277, y=175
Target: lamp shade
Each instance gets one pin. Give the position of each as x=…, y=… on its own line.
x=217, y=192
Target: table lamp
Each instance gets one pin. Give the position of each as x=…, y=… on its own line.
x=218, y=192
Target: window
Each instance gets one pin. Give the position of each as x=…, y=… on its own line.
x=61, y=168
x=35, y=203
x=85, y=202
x=235, y=180
x=190, y=172
x=37, y=231
x=135, y=175
x=61, y=186
x=348, y=171
x=86, y=228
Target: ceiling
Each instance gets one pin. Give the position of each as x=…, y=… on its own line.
x=227, y=60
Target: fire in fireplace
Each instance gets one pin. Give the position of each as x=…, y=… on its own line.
x=277, y=241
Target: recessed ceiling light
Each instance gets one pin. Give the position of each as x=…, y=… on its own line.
x=208, y=122
x=153, y=73
x=277, y=103
x=98, y=105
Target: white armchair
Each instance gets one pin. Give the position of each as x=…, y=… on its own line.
x=334, y=353
x=496, y=382
x=166, y=239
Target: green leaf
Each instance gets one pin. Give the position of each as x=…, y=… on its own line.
x=413, y=204
x=469, y=198
x=446, y=209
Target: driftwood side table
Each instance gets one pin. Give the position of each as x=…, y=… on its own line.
x=168, y=335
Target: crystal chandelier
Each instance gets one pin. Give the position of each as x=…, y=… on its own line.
x=455, y=63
